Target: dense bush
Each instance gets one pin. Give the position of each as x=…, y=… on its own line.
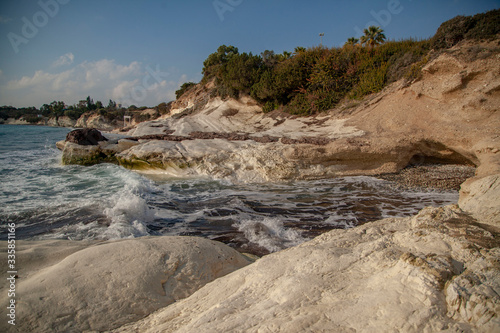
x=487, y=26
x=31, y=118
x=163, y=108
x=139, y=117
x=111, y=116
x=451, y=32
x=480, y=26
x=12, y=112
x=73, y=114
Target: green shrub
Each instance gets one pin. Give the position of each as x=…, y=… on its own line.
x=139, y=118
x=299, y=105
x=415, y=71
x=451, y=32
x=315, y=79
x=372, y=81
x=73, y=114
x=480, y=26
x=241, y=72
x=270, y=106
x=31, y=118
x=487, y=26
x=164, y=108
x=184, y=87
x=214, y=62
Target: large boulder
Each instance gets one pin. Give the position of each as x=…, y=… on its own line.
x=85, y=137
x=480, y=197
x=64, y=288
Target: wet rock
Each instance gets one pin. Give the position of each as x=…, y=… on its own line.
x=85, y=137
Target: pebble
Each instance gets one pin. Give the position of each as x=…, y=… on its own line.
x=433, y=176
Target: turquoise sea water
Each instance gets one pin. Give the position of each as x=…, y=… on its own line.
x=48, y=200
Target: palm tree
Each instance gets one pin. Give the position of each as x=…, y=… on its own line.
x=373, y=36
x=299, y=49
x=352, y=41
x=287, y=54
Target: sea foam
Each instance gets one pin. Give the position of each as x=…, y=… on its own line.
x=270, y=233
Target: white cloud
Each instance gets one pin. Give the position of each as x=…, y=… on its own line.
x=64, y=60
x=102, y=80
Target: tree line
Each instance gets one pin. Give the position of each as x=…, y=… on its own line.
x=58, y=109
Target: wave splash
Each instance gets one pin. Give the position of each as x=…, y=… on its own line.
x=129, y=216
x=270, y=233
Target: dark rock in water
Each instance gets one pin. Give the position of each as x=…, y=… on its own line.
x=85, y=137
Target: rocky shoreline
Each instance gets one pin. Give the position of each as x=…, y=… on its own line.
x=436, y=271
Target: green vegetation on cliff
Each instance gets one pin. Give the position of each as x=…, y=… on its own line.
x=311, y=80
x=316, y=79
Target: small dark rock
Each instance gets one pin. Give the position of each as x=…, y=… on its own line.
x=85, y=137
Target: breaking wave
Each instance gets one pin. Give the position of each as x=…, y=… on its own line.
x=270, y=233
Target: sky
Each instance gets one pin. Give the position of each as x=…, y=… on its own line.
x=140, y=52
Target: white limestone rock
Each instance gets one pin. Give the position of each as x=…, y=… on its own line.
x=481, y=198
x=242, y=161
x=113, y=283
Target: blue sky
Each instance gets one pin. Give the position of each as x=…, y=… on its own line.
x=140, y=52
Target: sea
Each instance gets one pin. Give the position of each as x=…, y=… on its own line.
x=48, y=200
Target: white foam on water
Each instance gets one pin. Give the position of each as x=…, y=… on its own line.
x=270, y=233
x=344, y=221
x=128, y=210
x=79, y=231
x=128, y=216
